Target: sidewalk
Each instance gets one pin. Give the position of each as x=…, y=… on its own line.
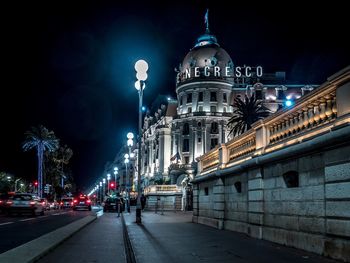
x=173, y=238
x=100, y=241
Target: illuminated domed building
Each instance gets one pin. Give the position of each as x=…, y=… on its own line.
x=207, y=82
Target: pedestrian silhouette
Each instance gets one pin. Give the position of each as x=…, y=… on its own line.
x=143, y=201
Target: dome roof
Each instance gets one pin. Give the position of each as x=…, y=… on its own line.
x=206, y=53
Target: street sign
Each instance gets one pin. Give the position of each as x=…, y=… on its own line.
x=47, y=189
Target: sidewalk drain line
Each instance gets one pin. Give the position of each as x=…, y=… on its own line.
x=129, y=251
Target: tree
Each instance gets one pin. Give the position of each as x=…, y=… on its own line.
x=245, y=113
x=56, y=161
x=5, y=183
x=43, y=140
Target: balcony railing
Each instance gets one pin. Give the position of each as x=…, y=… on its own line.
x=323, y=109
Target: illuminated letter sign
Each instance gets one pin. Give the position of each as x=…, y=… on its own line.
x=228, y=72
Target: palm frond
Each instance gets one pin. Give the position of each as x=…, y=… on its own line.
x=245, y=113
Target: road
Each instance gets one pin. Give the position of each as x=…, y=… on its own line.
x=17, y=230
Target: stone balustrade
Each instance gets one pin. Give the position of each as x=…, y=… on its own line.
x=242, y=146
x=211, y=159
x=315, y=113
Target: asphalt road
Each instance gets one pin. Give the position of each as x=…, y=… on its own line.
x=17, y=230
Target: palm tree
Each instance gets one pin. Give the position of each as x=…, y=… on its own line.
x=43, y=140
x=245, y=113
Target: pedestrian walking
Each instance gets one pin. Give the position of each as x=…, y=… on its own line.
x=143, y=202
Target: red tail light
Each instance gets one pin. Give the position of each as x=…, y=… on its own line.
x=88, y=201
x=42, y=203
x=75, y=201
x=9, y=202
x=33, y=202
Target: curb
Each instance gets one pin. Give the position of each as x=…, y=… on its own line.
x=37, y=248
x=129, y=250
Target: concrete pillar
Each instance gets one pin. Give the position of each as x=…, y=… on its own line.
x=255, y=203
x=219, y=203
x=196, y=200
x=223, y=156
x=343, y=98
x=261, y=135
x=164, y=150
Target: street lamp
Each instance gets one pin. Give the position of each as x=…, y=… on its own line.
x=126, y=161
x=104, y=187
x=108, y=178
x=97, y=192
x=115, y=178
x=130, y=143
x=101, y=192
x=141, y=68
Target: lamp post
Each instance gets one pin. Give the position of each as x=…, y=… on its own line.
x=104, y=188
x=108, y=178
x=141, y=68
x=130, y=143
x=126, y=161
x=115, y=178
x=101, y=192
x=97, y=194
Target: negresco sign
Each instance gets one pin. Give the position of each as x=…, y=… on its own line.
x=229, y=72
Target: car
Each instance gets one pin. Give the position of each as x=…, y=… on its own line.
x=24, y=203
x=111, y=204
x=54, y=204
x=45, y=203
x=3, y=199
x=82, y=202
x=66, y=202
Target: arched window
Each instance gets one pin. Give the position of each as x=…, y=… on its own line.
x=214, y=128
x=186, y=129
x=291, y=179
x=200, y=97
x=189, y=98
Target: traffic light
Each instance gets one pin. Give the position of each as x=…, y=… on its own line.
x=112, y=185
x=36, y=183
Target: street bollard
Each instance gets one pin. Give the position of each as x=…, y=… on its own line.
x=162, y=203
x=156, y=207
x=119, y=210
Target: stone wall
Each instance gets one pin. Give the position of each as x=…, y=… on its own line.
x=314, y=216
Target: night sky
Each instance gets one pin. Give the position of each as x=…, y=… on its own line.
x=71, y=67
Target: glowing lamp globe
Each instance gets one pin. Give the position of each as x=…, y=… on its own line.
x=130, y=135
x=141, y=66
x=138, y=85
x=141, y=76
